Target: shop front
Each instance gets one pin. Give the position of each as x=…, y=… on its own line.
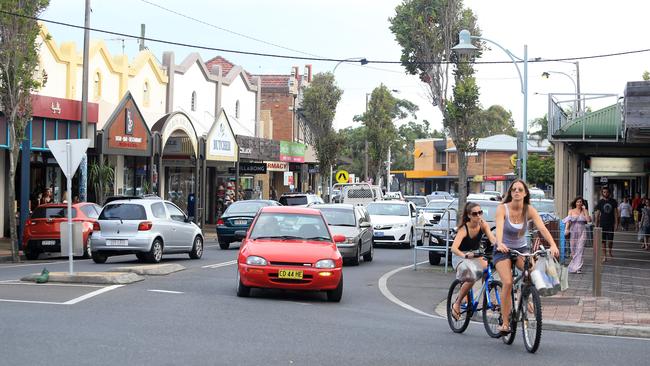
x=256, y=183
x=221, y=156
x=294, y=154
x=624, y=176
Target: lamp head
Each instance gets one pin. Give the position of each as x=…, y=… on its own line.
x=464, y=46
x=363, y=61
x=546, y=75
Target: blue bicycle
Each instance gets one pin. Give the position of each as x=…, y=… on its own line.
x=491, y=306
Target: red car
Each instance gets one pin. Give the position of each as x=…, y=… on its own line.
x=290, y=248
x=42, y=233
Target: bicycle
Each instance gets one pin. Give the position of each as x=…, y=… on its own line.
x=528, y=309
x=491, y=306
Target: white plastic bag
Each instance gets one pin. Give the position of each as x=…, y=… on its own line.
x=468, y=271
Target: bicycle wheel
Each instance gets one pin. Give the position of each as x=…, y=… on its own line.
x=492, y=310
x=531, y=319
x=510, y=337
x=458, y=326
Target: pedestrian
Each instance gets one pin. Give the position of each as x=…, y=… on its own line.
x=273, y=194
x=46, y=197
x=626, y=213
x=576, y=231
x=75, y=200
x=645, y=224
x=639, y=210
x=607, y=217
x=512, y=218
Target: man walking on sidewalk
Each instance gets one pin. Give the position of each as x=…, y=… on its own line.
x=607, y=217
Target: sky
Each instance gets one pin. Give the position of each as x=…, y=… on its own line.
x=347, y=29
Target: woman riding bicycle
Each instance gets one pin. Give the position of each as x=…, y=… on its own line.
x=512, y=217
x=467, y=241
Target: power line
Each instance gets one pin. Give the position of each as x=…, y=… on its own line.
x=324, y=59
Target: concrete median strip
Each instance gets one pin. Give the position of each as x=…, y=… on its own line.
x=151, y=270
x=102, y=278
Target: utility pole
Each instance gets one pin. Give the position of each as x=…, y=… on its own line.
x=365, y=153
x=578, y=86
x=142, y=29
x=83, y=176
x=388, y=180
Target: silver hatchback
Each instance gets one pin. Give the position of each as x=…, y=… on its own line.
x=146, y=227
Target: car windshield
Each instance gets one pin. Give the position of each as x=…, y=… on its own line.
x=388, y=209
x=543, y=206
x=293, y=200
x=123, y=211
x=288, y=226
x=338, y=216
x=418, y=201
x=244, y=207
x=437, y=205
x=52, y=213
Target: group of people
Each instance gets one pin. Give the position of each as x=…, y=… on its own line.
x=47, y=196
x=636, y=213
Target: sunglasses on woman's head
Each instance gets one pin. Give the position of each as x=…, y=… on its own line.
x=477, y=213
x=515, y=189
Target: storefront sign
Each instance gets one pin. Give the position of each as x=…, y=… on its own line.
x=620, y=165
x=255, y=148
x=295, y=167
x=292, y=151
x=249, y=168
x=126, y=132
x=221, y=140
x=494, y=177
x=277, y=166
x=62, y=109
x=313, y=169
x=288, y=178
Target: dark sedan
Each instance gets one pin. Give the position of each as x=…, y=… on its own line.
x=238, y=216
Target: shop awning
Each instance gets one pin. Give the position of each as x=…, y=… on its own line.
x=420, y=174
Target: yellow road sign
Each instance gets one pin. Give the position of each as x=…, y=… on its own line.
x=513, y=160
x=342, y=176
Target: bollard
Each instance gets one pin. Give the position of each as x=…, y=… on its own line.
x=598, y=243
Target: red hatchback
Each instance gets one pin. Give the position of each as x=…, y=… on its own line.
x=42, y=233
x=290, y=248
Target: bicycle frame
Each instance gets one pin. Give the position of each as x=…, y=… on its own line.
x=485, y=291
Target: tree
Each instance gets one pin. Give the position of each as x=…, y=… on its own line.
x=496, y=120
x=353, y=146
x=319, y=103
x=540, y=169
x=100, y=174
x=646, y=75
x=427, y=30
x=540, y=127
x=18, y=79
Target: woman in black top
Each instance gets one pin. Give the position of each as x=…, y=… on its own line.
x=467, y=241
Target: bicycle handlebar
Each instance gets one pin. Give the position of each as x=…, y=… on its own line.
x=539, y=252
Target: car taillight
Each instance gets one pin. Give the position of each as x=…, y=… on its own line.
x=220, y=222
x=145, y=225
x=96, y=226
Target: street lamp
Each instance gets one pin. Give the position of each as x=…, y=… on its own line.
x=361, y=60
x=576, y=85
x=466, y=47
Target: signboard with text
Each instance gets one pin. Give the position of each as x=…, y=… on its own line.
x=126, y=132
x=222, y=145
x=292, y=151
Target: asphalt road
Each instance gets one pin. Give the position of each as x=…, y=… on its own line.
x=193, y=317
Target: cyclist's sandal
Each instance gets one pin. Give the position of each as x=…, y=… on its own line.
x=455, y=313
x=504, y=330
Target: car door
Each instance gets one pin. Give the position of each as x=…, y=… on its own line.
x=364, y=232
x=183, y=230
x=163, y=224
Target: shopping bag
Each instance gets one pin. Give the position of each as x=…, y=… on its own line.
x=553, y=270
x=468, y=271
x=640, y=234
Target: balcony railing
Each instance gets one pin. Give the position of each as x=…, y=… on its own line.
x=599, y=119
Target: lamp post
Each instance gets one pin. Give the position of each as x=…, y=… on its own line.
x=465, y=46
x=576, y=84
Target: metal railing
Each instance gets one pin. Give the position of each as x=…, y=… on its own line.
x=428, y=229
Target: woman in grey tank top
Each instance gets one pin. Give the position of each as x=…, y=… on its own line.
x=512, y=219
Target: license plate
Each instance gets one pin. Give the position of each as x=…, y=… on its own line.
x=48, y=242
x=290, y=274
x=241, y=222
x=122, y=242
x=379, y=233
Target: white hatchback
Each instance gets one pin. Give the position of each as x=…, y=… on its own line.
x=394, y=223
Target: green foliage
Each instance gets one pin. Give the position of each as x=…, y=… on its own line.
x=540, y=127
x=540, y=169
x=646, y=75
x=496, y=120
x=100, y=175
x=353, y=140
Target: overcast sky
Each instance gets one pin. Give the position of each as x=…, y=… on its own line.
x=359, y=28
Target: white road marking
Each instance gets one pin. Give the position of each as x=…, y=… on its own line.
x=223, y=264
x=167, y=291
x=92, y=294
x=32, y=302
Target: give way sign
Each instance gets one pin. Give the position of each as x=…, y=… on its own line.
x=68, y=153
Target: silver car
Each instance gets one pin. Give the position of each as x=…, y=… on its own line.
x=353, y=222
x=146, y=227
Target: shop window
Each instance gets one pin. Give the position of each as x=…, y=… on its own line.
x=452, y=158
x=97, y=85
x=145, y=94
x=193, y=103
x=237, y=109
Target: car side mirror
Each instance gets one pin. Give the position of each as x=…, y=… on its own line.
x=187, y=219
x=240, y=234
x=338, y=238
x=365, y=224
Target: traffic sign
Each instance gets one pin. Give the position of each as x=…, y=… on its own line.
x=513, y=160
x=342, y=176
x=69, y=163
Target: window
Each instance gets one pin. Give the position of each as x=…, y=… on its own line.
x=145, y=94
x=477, y=158
x=193, y=103
x=158, y=211
x=123, y=211
x=97, y=85
x=237, y=113
x=175, y=213
x=452, y=158
x=89, y=211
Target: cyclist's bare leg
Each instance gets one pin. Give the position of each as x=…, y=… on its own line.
x=504, y=268
x=465, y=289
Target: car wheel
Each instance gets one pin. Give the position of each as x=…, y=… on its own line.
x=155, y=253
x=355, y=260
x=32, y=255
x=224, y=245
x=99, y=257
x=197, y=248
x=242, y=291
x=87, y=251
x=368, y=256
x=141, y=256
x=336, y=294
x=434, y=258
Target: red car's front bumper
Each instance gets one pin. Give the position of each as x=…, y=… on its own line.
x=316, y=279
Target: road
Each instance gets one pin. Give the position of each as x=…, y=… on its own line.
x=193, y=317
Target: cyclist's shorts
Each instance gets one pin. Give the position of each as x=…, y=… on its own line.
x=498, y=256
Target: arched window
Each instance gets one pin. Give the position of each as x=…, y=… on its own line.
x=97, y=85
x=193, y=105
x=145, y=93
x=237, y=109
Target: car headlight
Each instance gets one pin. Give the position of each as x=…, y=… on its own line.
x=350, y=240
x=397, y=226
x=325, y=263
x=256, y=261
x=433, y=240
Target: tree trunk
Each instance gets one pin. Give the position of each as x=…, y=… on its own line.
x=324, y=185
x=462, y=183
x=13, y=223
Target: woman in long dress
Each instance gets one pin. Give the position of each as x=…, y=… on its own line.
x=576, y=230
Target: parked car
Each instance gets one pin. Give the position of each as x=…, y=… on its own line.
x=497, y=195
x=146, y=227
x=299, y=199
x=439, y=195
x=434, y=210
x=354, y=223
x=536, y=193
x=394, y=196
x=438, y=233
x=418, y=201
x=290, y=248
x=546, y=209
x=238, y=216
x=42, y=233
x=394, y=223
x=361, y=194
x=481, y=197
